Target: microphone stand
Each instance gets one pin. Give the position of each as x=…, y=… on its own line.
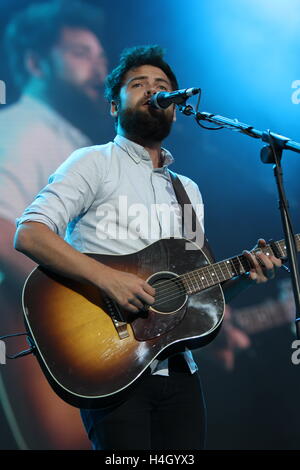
x=270, y=153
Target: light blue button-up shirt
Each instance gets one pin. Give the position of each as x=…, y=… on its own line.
x=109, y=199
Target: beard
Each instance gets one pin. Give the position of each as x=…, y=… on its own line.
x=149, y=125
x=90, y=116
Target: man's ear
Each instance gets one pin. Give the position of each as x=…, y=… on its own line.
x=34, y=65
x=114, y=109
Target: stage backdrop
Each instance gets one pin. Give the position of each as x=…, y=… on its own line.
x=245, y=58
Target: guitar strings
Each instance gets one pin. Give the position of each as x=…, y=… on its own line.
x=236, y=262
x=179, y=288
x=197, y=272
x=193, y=275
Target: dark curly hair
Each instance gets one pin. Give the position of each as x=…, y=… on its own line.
x=132, y=58
x=38, y=27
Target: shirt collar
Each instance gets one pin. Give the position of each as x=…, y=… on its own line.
x=138, y=152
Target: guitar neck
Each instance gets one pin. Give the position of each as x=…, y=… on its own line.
x=263, y=317
x=212, y=274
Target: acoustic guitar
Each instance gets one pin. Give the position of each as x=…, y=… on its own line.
x=91, y=350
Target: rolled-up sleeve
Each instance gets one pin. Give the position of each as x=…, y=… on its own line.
x=69, y=193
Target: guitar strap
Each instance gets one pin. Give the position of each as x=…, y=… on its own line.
x=187, y=209
x=183, y=199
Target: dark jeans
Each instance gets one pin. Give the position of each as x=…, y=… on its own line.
x=161, y=413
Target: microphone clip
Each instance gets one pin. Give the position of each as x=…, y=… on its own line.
x=186, y=109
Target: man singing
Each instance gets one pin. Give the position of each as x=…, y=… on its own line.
x=166, y=409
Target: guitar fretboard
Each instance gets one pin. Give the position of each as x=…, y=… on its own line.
x=265, y=316
x=212, y=274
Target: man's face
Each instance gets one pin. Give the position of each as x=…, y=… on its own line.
x=78, y=58
x=136, y=116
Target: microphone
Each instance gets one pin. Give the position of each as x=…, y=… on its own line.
x=164, y=99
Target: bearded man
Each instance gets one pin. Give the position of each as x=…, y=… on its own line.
x=166, y=408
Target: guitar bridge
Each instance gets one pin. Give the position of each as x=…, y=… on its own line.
x=117, y=318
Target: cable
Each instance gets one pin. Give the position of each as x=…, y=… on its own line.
x=14, y=334
x=198, y=120
x=25, y=352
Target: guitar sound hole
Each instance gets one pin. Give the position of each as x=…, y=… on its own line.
x=170, y=293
